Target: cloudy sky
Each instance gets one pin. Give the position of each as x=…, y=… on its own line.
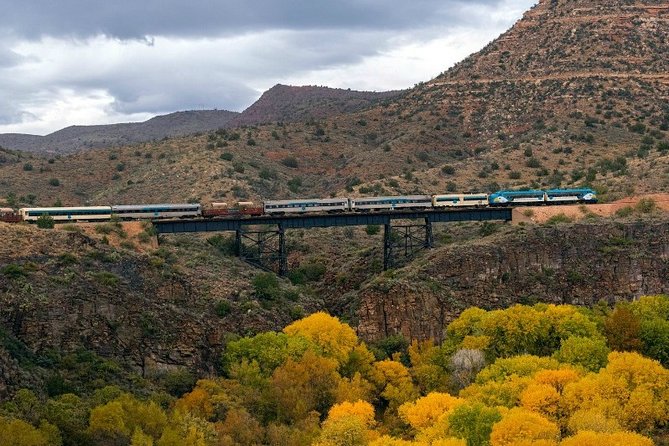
x=65, y=62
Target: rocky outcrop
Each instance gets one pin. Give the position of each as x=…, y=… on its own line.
x=577, y=264
x=67, y=292
x=285, y=103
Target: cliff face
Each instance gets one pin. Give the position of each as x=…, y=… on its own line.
x=64, y=292
x=569, y=264
x=286, y=103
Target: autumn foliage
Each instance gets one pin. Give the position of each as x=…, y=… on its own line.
x=540, y=375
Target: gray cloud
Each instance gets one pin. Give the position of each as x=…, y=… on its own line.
x=9, y=58
x=66, y=62
x=136, y=19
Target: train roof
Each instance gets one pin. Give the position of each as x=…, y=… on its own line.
x=524, y=191
x=307, y=200
x=67, y=208
x=585, y=189
x=395, y=197
x=139, y=207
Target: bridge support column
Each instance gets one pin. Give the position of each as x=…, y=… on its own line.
x=387, y=246
x=429, y=238
x=283, y=253
x=265, y=249
x=405, y=241
x=238, y=243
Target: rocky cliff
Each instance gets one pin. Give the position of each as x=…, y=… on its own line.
x=577, y=264
x=63, y=292
x=175, y=306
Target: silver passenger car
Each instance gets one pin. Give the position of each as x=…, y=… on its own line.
x=304, y=206
x=132, y=211
x=390, y=203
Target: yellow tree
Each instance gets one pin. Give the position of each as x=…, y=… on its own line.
x=360, y=409
x=348, y=424
x=520, y=425
x=425, y=411
x=394, y=383
x=108, y=420
x=139, y=438
x=587, y=438
x=594, y=420
x=19, y=433
x=631, y=389
x=336, y=340
x=298, y=387
x=541, y=398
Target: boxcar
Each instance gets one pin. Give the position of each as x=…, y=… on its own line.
x=9, y=216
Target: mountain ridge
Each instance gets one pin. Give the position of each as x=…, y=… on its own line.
x=279, y=103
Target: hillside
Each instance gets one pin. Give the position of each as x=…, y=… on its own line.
x=281, y=103
x=529, y=110
x=284, y=103
x=79, y=137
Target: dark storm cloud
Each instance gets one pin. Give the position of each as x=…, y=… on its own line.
x=136, y=19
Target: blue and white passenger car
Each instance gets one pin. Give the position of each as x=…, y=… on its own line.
x=390, y=203
x=134, y=211
x=557, y=196
x=510, y=197
x=304, y=206
x=83, y=213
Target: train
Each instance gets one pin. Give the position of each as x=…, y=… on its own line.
x=301, y=206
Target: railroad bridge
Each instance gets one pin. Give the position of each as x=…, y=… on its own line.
x=261, y=240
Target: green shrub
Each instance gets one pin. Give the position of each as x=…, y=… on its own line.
x=226, y=156
x=590, y=353
x=27, y=167
x=533, y=163
x=268, y=174
x=179, y=382
x=290, y=161
x=226, y=245
x=372, y=229
x=388, y=346
x=488, y=228
x=67, y=259
x=559, y=218
x=14, y=271
x=308, y=272
x=106, y=278
x=55, y=182
x=238, y=167
x=127, y=244
x=45, y=221
x=266, y=286
x=222, y=308
x=646, y=206
x=294, y=184
x=473, y=422
x=625, y=211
